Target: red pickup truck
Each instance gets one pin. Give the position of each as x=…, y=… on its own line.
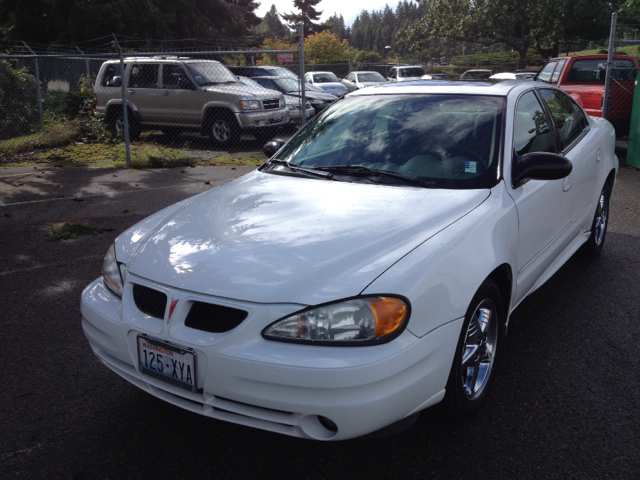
x=583, y=76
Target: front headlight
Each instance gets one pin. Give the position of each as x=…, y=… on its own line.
x=316, y=102
x=111, y=271
x=359, y=321
x=250, y=104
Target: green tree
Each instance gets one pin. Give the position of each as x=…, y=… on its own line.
x=521, y=24
x=272, y=25
x=335, y=24
x=72, y=21
x=308, y=15
x=18, y=101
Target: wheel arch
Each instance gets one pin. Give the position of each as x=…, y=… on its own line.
x=211, y=110
x=502, y=276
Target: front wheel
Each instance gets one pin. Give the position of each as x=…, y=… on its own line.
x=223, y=129
x=594, y=244
x=474, y=360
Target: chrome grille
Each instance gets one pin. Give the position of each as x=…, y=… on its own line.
x=271, y=104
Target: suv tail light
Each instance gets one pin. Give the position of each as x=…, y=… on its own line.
x=95, y=100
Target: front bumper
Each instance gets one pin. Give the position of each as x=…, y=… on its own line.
x=263, y=119
x=281, y=387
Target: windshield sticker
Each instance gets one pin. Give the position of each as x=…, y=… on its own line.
x=469, y=166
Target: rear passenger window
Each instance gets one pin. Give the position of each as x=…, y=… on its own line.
x=568, y=120
x=531, y=132
x=112, y=77
x=144, y=75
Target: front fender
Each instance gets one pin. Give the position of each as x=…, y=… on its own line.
x=441, y=276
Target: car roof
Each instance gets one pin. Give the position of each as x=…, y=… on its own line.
x=501, y=89
x=165, y=59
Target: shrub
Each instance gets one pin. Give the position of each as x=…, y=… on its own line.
x=18, y=101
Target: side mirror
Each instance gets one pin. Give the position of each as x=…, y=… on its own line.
x=272, y=147
x=539, y=166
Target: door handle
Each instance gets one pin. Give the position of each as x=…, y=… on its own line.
x=131, y=92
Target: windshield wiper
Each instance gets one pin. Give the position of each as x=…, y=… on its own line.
x=366, y=171
x=296, y=168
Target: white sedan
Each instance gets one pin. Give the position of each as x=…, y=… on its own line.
x=365, y=272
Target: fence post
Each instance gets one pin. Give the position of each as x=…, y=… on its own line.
x=303, y=101
x=607, y=81
x=125, y=115
x=37, y=71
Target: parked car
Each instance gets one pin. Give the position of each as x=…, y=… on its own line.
x=174, y=94
x=368, y=269
x=362, y=79
x=583, y=78
x=513, y=76
x=405, y=73
x=293, y=102
x=289, y=86
x=439, y=76
x=477, y=74
x=327, y=81
x=252, y=71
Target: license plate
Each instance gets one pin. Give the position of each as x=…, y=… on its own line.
x=167, y=362
x=277, y=116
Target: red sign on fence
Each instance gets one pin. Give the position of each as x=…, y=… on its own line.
x=285, y=57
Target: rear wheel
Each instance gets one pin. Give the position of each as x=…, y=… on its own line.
x=474, y=360
x=594, y=244
x=115, y=123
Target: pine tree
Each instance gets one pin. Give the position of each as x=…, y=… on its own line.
x=308, y=16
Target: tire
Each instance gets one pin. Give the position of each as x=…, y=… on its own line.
x=594, y=244
x=115, y=123
x=223, y=129
x=473, y=365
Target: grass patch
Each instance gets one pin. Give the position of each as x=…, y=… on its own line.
x=71, y=230
x=55, y=135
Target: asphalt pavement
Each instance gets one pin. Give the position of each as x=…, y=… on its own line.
x=565, y=404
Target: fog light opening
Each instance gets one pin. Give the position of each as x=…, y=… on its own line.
x=328, y=424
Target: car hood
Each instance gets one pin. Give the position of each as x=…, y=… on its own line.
x=332, y=87
x=270, y=238
x=243, y=91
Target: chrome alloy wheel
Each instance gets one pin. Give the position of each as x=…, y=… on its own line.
x=479, y=351
x=221, y=130
x=602, y=212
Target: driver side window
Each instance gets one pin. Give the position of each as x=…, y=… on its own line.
x=531, y=131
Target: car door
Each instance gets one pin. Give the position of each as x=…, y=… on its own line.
x=544, y=206
x=579, y=145
x=143, y=90
x=181, y=100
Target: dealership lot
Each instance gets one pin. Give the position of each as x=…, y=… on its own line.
x=565, y=404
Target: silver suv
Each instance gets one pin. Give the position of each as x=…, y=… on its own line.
x=175, y=94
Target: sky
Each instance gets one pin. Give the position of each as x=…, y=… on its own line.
x=349, y=9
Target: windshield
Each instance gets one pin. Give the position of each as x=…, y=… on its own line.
x=411, y=72
x=210, y=73
x=371, y=77
x=287, y=84
x=324, y=77
x=449, y=141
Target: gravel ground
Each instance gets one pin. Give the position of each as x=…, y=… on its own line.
x=566, y=403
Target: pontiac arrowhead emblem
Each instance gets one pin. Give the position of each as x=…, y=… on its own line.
x=172, y=306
